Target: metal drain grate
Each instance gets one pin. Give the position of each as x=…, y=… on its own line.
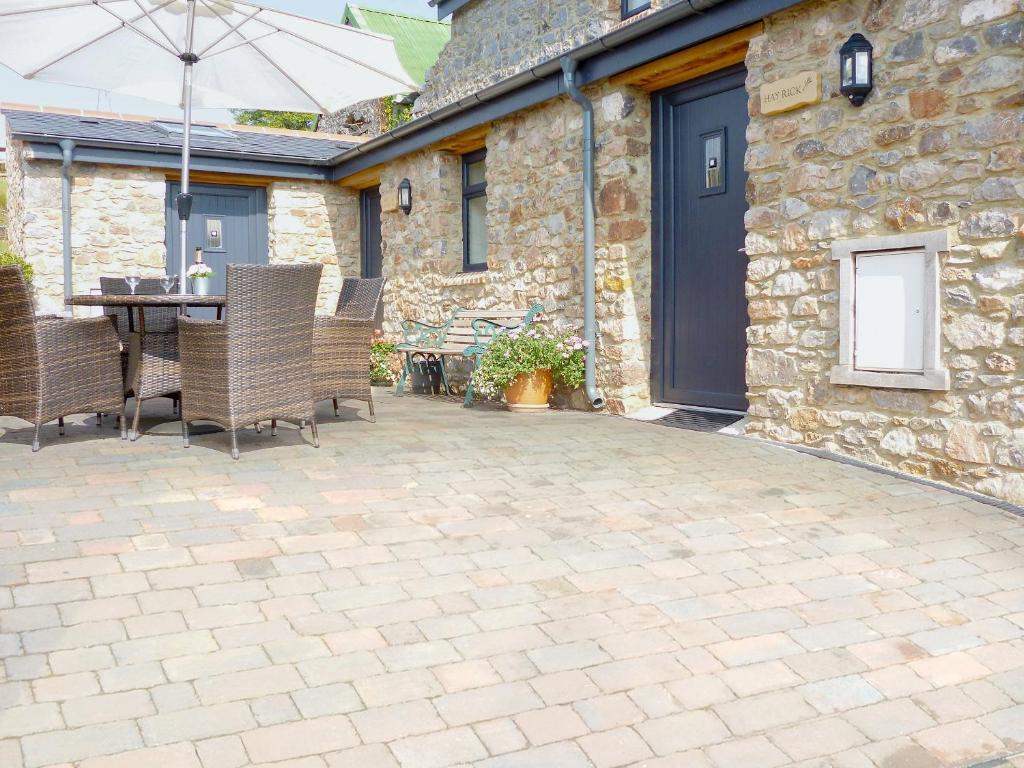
x=699, y=421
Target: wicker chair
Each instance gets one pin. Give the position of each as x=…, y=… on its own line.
x=257, y=363
x=149, y=357
x=51, y=367
x=341, y=344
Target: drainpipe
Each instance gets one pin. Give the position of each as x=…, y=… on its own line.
x=67, y=148
x=594, y=394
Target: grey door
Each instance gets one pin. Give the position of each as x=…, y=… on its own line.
x=369, y=232
x=228, y=223
x=700, y=309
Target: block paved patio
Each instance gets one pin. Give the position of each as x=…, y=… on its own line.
x=480, y=589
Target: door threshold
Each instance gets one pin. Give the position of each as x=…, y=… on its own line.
x=702, y=419
x=700, y=409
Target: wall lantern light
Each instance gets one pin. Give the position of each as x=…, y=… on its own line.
x=405, y=196
x=855, y=69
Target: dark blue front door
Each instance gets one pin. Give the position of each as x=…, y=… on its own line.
x=700, y=309
x=228, y=223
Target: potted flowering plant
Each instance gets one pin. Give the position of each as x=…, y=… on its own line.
x=525, y=364
x=200, y=275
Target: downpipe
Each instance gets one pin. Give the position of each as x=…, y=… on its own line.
x=594, y=395
x=67, y=148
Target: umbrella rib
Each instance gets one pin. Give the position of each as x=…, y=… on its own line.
x=231, y=31
x=245, y=41
x=157, y=25
x=130, y=23
x=289, y=78
x=56, y=7
x=72, y=52
x=314, y=43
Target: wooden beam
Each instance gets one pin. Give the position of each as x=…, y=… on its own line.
x=700, y=59
x=232, y=179
x=467, y=141
x=364, y=179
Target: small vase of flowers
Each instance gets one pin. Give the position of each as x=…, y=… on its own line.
x=524, y=364
x=200, y=274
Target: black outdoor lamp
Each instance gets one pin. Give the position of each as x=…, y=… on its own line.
x=405, y=196
x=855, y=75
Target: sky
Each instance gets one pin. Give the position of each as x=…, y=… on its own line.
x=14, y=89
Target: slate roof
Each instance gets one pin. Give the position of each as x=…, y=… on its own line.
x=419, y=41
x=139, y=134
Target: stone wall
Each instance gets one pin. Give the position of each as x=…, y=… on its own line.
x=310, y=222
x=366, y=118
x=939, y=144
x=118, y=225
x=495, y=39
x=535, y=238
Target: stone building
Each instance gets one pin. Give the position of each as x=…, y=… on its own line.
x=419, y=41
x=850, y=276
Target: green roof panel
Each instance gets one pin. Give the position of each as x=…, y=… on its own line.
x=419, y=40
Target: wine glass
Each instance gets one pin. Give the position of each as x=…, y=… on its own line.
x=167, y=282
x=133, y=282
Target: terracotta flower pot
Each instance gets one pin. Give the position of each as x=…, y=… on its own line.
x=529, y=392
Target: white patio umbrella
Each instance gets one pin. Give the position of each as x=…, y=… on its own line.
x=206, y=53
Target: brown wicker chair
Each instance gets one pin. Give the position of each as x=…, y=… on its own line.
x=341, y=344
x=257, y=363
x=51, y=367
x=149, y=357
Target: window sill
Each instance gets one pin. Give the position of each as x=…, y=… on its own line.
x=934, y=379
x=478, y=277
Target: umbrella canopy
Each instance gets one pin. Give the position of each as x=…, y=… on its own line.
x=207, y=53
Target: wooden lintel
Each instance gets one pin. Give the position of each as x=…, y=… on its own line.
x=364, y=179
x=233, y=179
x=701, y=59
x=467, y=141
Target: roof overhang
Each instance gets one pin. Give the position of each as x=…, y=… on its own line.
x=627, y=47
x=150, y=158
x=446, y=8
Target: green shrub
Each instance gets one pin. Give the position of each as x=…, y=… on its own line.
x=383, y=362
x=9, y=259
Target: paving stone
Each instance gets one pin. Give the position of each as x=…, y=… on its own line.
x=688, y=730
x=839, y=694
x=197, y=723
x=438, y=750
x=337, y=699
x=107, y=708
x=487, y=703
x=742, y=753
x=500, y=736
x=615, y=748
x=562, y=755
x=398, y=687
x=767, y=711
x=30, y=718
x=368, y=756
x=818, y=738
x=544, y=726
x=172, y=756
x=306, y=737
x=888, y=719
x=79, y=744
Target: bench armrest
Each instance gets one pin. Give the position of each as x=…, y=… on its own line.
x=422, y=334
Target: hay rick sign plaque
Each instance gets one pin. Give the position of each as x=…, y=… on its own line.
x=790, y=93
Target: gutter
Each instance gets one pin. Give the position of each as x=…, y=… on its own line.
x=618, y=37
x=67, y=148
x=158, y=149
x=569, y=71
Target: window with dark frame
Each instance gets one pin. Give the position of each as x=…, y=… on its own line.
x=474, y=211
x=633, y=7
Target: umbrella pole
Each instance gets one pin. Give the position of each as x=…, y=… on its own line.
x=184, y=211
x=189, y=59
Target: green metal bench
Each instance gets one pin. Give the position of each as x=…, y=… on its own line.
x=466, y=334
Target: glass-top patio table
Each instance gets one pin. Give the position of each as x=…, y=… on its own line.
x=139, y=301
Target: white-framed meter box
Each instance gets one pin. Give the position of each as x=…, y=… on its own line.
x=889, y=320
